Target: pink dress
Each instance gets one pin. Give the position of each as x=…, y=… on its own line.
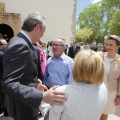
x=42, y=59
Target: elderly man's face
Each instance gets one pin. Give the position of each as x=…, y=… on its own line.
x=57, y=48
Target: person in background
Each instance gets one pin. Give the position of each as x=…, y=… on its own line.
x=49, y=49
x=94, y=47
x=59, y=67
x=45, y=52
x=3, y=44
x=112, y=75
x=87, y=96
x=66, y=47
x=20, y=83
x=73, y=50
x=48, y=44
x=41, y=57
x=65, y=51
x=40, y=73
x=81, y=46
x=118, y=50
x=86, y=47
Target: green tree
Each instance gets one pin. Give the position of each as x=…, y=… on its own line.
x=83, y=35
x=92, y=18
x=102, y=18
x=114, y=24
x=108, y=8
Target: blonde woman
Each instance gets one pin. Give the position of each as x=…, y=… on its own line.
x=112, y=75
x=87, y=96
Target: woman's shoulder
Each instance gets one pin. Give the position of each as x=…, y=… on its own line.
x=61, y=88
x=118, y=57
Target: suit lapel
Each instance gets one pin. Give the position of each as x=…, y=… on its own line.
x=26, y=39
x=29, y=43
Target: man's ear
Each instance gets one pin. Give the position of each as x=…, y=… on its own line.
x=37, y=27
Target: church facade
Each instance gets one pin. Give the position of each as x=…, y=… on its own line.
x=60, y=16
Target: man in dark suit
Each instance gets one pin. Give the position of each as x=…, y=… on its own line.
x=1, y=73
x=94, y=47
x=3, y=44
x=73, y=50
x=20, y=82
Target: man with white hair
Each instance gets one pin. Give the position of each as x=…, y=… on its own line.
x=59, y=66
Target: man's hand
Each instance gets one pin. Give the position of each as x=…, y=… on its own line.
x=53, y=96
x=40, y=86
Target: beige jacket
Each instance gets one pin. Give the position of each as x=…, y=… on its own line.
x=114, y=75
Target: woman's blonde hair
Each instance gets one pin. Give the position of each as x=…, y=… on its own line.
x=88, y=67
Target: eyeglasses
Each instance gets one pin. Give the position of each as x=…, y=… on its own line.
x=56, y=45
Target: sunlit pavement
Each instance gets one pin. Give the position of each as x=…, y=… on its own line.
x=111, y=117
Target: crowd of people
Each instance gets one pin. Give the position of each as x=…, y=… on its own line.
x=36, y=77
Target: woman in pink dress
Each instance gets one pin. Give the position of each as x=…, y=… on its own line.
x=42, y=57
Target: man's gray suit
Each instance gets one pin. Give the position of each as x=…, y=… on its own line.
x=20, y=79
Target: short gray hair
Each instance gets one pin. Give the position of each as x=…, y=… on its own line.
x=32, y=20
x=62, y=41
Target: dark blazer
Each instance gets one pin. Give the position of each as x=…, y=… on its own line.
x=95, y=48
x=1, y=73
x=1, y=64
x=72, y=52
x=20, y=79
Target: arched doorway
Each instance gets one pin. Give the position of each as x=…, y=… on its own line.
x=6, y=31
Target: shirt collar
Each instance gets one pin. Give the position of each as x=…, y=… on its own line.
x=61, y=57
x=26, y=36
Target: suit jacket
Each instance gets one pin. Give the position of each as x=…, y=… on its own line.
x=1, y=74
x=95, y=48
x=20, y=79
x=1, y=64
x=114, y=74
x=72, y=52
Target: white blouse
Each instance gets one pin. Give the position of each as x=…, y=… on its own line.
x=84, y=102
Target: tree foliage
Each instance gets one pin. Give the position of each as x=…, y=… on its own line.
x=114, y=23
x=103, y=18
x=92, y=18
x=83, y=35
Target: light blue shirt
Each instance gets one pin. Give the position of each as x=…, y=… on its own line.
x=58, y=71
